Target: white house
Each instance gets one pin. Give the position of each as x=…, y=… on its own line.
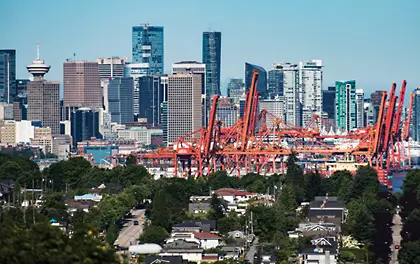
x=235, y=196
x=207, y=239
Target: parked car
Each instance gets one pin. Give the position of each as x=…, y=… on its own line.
x=136, y=222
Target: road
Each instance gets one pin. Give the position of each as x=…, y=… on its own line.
x=130, y=232
x=396, y=237
x=252, y=250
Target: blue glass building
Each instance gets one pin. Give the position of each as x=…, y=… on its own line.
x=7, y=75
x=151, y=94
x=120, y=100
x=275, y=83
x=212, y=51
x=84, y=125
x=148, y=47
x=262, y=78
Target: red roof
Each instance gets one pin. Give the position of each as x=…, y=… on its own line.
x=231, y=192
x=206, y=235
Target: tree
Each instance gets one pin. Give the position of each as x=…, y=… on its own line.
x=154, y=234
x=312, y=185
x=294, y=177
x=131, y=160
x=410, y=230
x=365, y=183
x=161, y=209
x=139, y=192
x=218, y=208
x=287, y=200
x=360, y=222
x=410, y=199
x=228, y=223
x=409, y=253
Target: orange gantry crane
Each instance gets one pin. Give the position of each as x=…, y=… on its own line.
x=252, y=146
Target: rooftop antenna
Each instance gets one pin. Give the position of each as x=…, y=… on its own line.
x=37, y=51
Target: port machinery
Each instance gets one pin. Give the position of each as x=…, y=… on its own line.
x=251, y=145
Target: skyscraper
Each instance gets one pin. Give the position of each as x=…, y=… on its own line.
x=21, y=85
x=328, y=103
x=227, y=112
x=148, y=47
x=273, y=106
x=184, y=107
x=415, y=123
x=7, y=75
x=111, y=67
x=120, y=100
x=84, y=125
x=235, y=90
x=194, y=67
x=212, y=51
x=345, y=100
x=135, y=71
x=262, y=78
x=43, y=96
x=310, y=89
x=152, y=92
x=275, y=82
x=375, y=100
x=292, y=103
x=360, y=108
x=82, y=85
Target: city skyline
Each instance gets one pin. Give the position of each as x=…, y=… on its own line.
x=377, y=41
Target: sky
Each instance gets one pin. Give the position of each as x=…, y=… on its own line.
x=375, y=42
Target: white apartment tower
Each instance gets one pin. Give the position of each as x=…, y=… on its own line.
x=310, y=90
x=184, y=108
x=360, y=108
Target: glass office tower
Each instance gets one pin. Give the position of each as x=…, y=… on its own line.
x=148, y=47
x=212, y=51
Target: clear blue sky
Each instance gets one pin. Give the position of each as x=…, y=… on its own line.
x=375, y=42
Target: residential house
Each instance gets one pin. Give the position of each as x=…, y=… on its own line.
x=210, y=257
x=6, y=190
x=89, y=196
x=186, y=227
x=205, y=225
x=233, y=196
x=315, y=229
x=164, y=260
x=268, y=259
x=327, y=209
x=208, y=240
x=324, y=250
x=199, y=207
x=85, y=205
x=187, y=250
x=232, y=252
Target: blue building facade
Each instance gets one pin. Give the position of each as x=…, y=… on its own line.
x=84, y=125
x=7, y=75
x=148, y=47
x=275, y=84
x=262, y=78
x=212, y=52
x=120, y=99
x=151, y=94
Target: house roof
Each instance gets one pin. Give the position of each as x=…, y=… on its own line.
x=206, y=235
x=329, y=202
x=329, y=212
x=186, y=225
x=198, y=206
x=163, y=259
x=232, y=192
x=203, y=224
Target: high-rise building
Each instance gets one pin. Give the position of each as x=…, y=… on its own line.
x=43, y=96
x=21, y=85
x=292, y=103
x=262, y=78
x=120, y=100
x=310, y=89
x=135, y=71
x=227, y=112
x=275, y=82
x=148, y=47
x=164, y=107
x=415, y=123
x=328, y=104
x=194, y=67
x=184, y=107
x=84, y=125
x=273, y=106
x=111, y=67
x=7, y=75
x=345, y=100
x=151, y=95
x=369, y=114
x=82, y=85
x=375, y=100
x=360, y=108
x=235, y=90
x=212, y=51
